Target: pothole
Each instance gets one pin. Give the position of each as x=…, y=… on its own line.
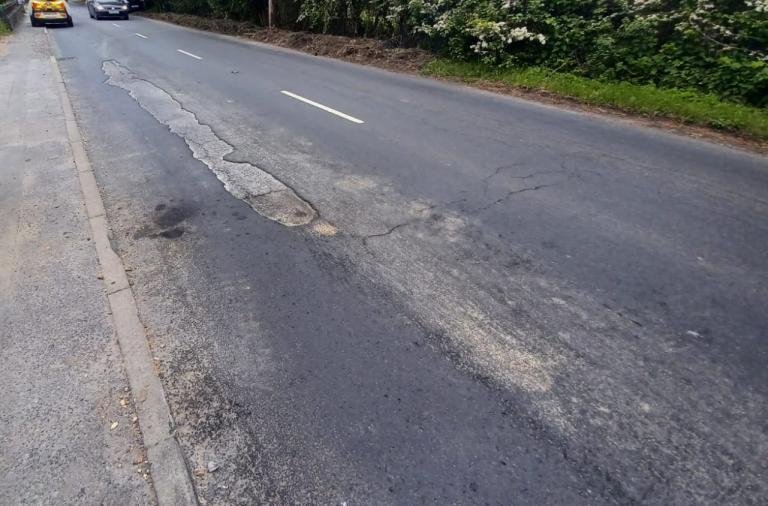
x=322, y=227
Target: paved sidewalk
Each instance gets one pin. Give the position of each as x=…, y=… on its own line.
x=62, y=381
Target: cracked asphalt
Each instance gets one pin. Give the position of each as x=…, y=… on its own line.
x=497, y=302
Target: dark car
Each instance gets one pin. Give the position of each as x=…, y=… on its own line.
x=137, y=5
x=101, y=9
x=50, y=12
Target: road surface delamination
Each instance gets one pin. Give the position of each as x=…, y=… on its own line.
x=497, y=301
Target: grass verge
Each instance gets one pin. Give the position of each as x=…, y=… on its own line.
x=687, y=106
x=4, y=29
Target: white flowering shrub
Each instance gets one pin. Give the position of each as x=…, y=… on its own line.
x=496, y=39
x=758, y=5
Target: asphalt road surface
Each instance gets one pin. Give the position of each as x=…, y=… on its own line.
x=369, y=288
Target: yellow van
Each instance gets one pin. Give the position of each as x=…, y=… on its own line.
x=50, y=12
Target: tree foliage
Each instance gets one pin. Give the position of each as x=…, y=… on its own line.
x=716, y=46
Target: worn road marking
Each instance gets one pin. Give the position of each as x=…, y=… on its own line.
x=45, y=29
x=189, y=54
x=323, y=107
x=115, y=24
x=140, y=35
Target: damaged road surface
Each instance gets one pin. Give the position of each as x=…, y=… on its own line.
x=268, y=196
x=462, y=299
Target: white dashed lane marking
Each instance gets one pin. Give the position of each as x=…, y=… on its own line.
x=323, y=107
x=189, y=54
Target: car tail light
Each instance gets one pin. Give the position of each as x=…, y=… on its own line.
x=59, y=6
x=36, y=5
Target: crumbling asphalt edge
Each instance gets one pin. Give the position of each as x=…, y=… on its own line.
x=170, y=474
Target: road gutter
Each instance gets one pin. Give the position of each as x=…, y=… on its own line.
x=170, y=474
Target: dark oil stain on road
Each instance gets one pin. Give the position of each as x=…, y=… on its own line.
x=173, y=233
x=166, y=222
x=172, y=216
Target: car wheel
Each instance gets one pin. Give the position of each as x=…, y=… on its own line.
x=70, y=23
x=125, y=17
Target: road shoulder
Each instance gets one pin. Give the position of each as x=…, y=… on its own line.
x=170, y=475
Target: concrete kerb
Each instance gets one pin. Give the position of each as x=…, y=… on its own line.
x=170, y=474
